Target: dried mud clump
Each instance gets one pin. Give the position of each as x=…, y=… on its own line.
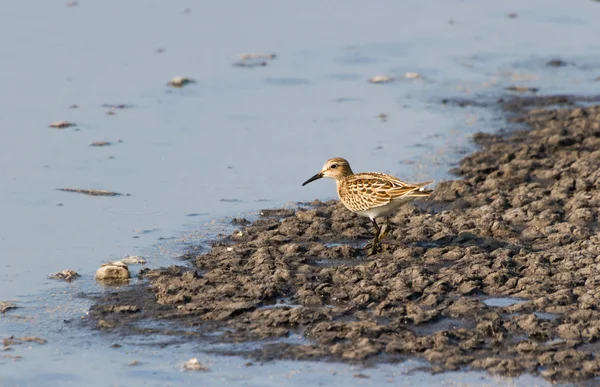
x=521, y=223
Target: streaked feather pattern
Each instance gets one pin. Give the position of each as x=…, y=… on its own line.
x=363, y=191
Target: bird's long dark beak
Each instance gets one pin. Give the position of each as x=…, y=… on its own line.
x=315, y=177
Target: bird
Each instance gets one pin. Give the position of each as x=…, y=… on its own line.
x=370, y=194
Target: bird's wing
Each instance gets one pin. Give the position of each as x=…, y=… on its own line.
x=411, y=190
x=363, y=191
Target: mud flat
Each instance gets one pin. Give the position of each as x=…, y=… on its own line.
x=499, y=270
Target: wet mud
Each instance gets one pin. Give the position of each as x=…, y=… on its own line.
x=499, y=270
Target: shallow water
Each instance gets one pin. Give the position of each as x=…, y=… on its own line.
x=502, y=302
x=236, y=141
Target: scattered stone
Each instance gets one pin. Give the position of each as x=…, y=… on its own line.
x=254, y=55
x=382, y=117
x=180, y=81
x=254, y=60
x=61, y=124
x=92, y=192
x=65, y=275
x=512, y=15
x=133, y=260
x=522, y=89
x=13, y=357
x=194, y=365
x=113, y=272
x=250, y=64
x=101, y=143
x=240, y=221
x=34, y=339
x=103, y=324
x=134, y=363
x=116, y=106
x=557, y=63
x=412, y=75
x=381, y=79
x=74, y=106
x=20, y=340
x=6, y=305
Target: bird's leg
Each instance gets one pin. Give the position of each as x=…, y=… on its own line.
x=384, y=231
x=375, y=244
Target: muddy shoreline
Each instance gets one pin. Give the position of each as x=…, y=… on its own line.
x=520, y=224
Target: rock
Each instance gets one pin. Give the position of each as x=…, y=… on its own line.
x=61, y=124
x=254, y=60
x=522, y=89
x=254, y=55
x=65, y=275
x=412, y=75
x=381, y=79
x=103, y=324
x=181, y=81
x=557, y=63
x=6, y=305
x=101, y=143
x=194, y=365
x=133, y=260
x=113, y=272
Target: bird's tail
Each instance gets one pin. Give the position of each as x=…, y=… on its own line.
x=421, y=191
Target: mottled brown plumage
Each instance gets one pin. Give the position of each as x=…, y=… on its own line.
x=370, y=194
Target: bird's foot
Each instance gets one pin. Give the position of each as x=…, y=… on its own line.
x=373, y=248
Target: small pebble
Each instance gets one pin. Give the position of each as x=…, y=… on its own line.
x=557, y=63
x=194, y=365
x=65, y=275
x=61, y=124
x=381, y=79
x=522, y=89
x=101, y=143
x=180, y=81
x=133, y=260
x=411, y=75
x=254, y=55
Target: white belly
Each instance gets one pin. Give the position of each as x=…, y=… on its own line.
x=385, y=209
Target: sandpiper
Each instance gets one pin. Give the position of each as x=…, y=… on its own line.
x=370, y=194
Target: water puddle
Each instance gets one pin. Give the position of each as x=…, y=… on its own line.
x=502, y=302
x=546, y=316
x=281, y=304
x=443, y=324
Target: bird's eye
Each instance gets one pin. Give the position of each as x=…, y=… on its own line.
x=334, y=166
